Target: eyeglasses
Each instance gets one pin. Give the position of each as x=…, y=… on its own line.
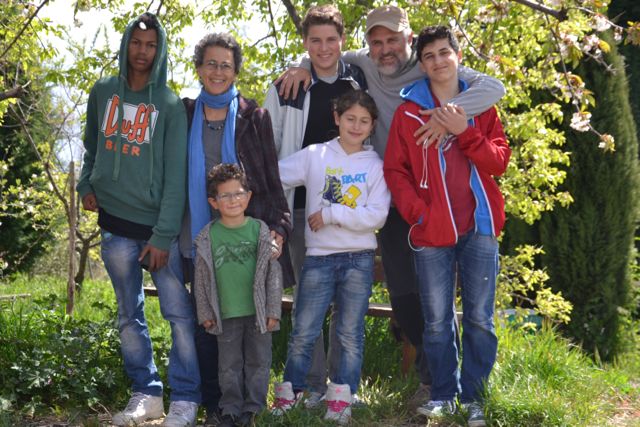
x=227, y=197
x=225, y=67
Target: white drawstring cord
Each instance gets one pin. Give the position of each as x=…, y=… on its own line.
x=409, y=239
x=424, y=184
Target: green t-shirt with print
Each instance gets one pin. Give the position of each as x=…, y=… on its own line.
x=234, y=258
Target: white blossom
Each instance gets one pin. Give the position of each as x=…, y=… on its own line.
x=580, y=121
x=601, y=22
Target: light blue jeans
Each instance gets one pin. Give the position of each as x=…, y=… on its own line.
x=345, y=278
x=120, y=256
x=320, y=363
x=477, y=259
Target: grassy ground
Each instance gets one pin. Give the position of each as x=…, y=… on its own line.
x=539, y=379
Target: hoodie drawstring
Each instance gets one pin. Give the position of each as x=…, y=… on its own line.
x=424, y=184
x=150, y=112
x=118, y=141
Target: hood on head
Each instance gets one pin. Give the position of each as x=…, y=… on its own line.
x=158, y=76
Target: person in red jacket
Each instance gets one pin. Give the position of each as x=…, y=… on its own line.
x=448, y=194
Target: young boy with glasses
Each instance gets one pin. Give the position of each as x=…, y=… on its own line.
x=238, y=288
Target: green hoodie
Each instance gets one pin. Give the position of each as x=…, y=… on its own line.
x=135, y=159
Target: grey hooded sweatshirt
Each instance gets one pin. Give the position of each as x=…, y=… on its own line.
x=267, y=282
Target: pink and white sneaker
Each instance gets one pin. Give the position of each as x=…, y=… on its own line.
x=285, y=399
x=338, y=403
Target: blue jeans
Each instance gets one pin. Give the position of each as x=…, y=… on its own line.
x=120, y=256
x=477, y=259
x=345, y=278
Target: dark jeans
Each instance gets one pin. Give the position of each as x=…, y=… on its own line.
x=399, y=271
x=207, y=351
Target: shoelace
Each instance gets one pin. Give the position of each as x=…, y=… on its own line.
x=475, y=411
x=134, y=402
x=181, y=410
x=337, y=405
x=281, y=402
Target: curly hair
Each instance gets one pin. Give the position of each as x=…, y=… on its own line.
x=224, y=40
x=222, y=173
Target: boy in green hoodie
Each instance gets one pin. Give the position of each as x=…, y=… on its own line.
x=134, y=175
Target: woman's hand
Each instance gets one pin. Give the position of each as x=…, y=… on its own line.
x=277, y=241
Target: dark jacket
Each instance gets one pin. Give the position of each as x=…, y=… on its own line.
x=257, y=156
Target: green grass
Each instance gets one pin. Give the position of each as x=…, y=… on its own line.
x=539, y=379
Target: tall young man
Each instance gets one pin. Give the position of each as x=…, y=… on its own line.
x=448, y=194
x=308, y=119
x=134, y=175
x=389, y=64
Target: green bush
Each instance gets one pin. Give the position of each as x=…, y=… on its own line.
x=50, y=360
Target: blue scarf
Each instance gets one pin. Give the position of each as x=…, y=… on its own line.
x=198, y=205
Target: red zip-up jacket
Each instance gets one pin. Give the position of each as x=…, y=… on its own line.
x=415, y=176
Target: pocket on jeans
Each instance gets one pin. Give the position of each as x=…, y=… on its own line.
x=363, y=262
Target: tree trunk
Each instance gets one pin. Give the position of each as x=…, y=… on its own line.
x=71, y=219
x=86, y=243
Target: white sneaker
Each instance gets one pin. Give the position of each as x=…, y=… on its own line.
x=338, y=403
x=141, y=407
x=437, y=408
x=313, y=400
x=181, y=414
x=285, y=399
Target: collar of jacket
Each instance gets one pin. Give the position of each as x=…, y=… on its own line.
x=344, y=73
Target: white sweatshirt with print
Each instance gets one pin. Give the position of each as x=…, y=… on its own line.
x=348, y=188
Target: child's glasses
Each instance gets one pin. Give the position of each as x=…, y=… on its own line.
x=227, y=197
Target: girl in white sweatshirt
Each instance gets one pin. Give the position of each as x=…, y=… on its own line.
x=347, y=200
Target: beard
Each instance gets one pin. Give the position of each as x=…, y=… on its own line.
x=389, y=68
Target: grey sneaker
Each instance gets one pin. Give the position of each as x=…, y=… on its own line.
x=437, y=408
x=214, y=418
x=227, y=421
x=141, y=407
x=181, y=414
x=420, y=397
x=356, y=402
x=246, y=419
x=476, y=415
x=314, y=400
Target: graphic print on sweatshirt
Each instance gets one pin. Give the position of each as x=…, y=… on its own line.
x=236, y=252
x=335, y=181
x=138, y=124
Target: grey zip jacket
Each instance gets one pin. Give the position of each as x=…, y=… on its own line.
x=267, y=282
